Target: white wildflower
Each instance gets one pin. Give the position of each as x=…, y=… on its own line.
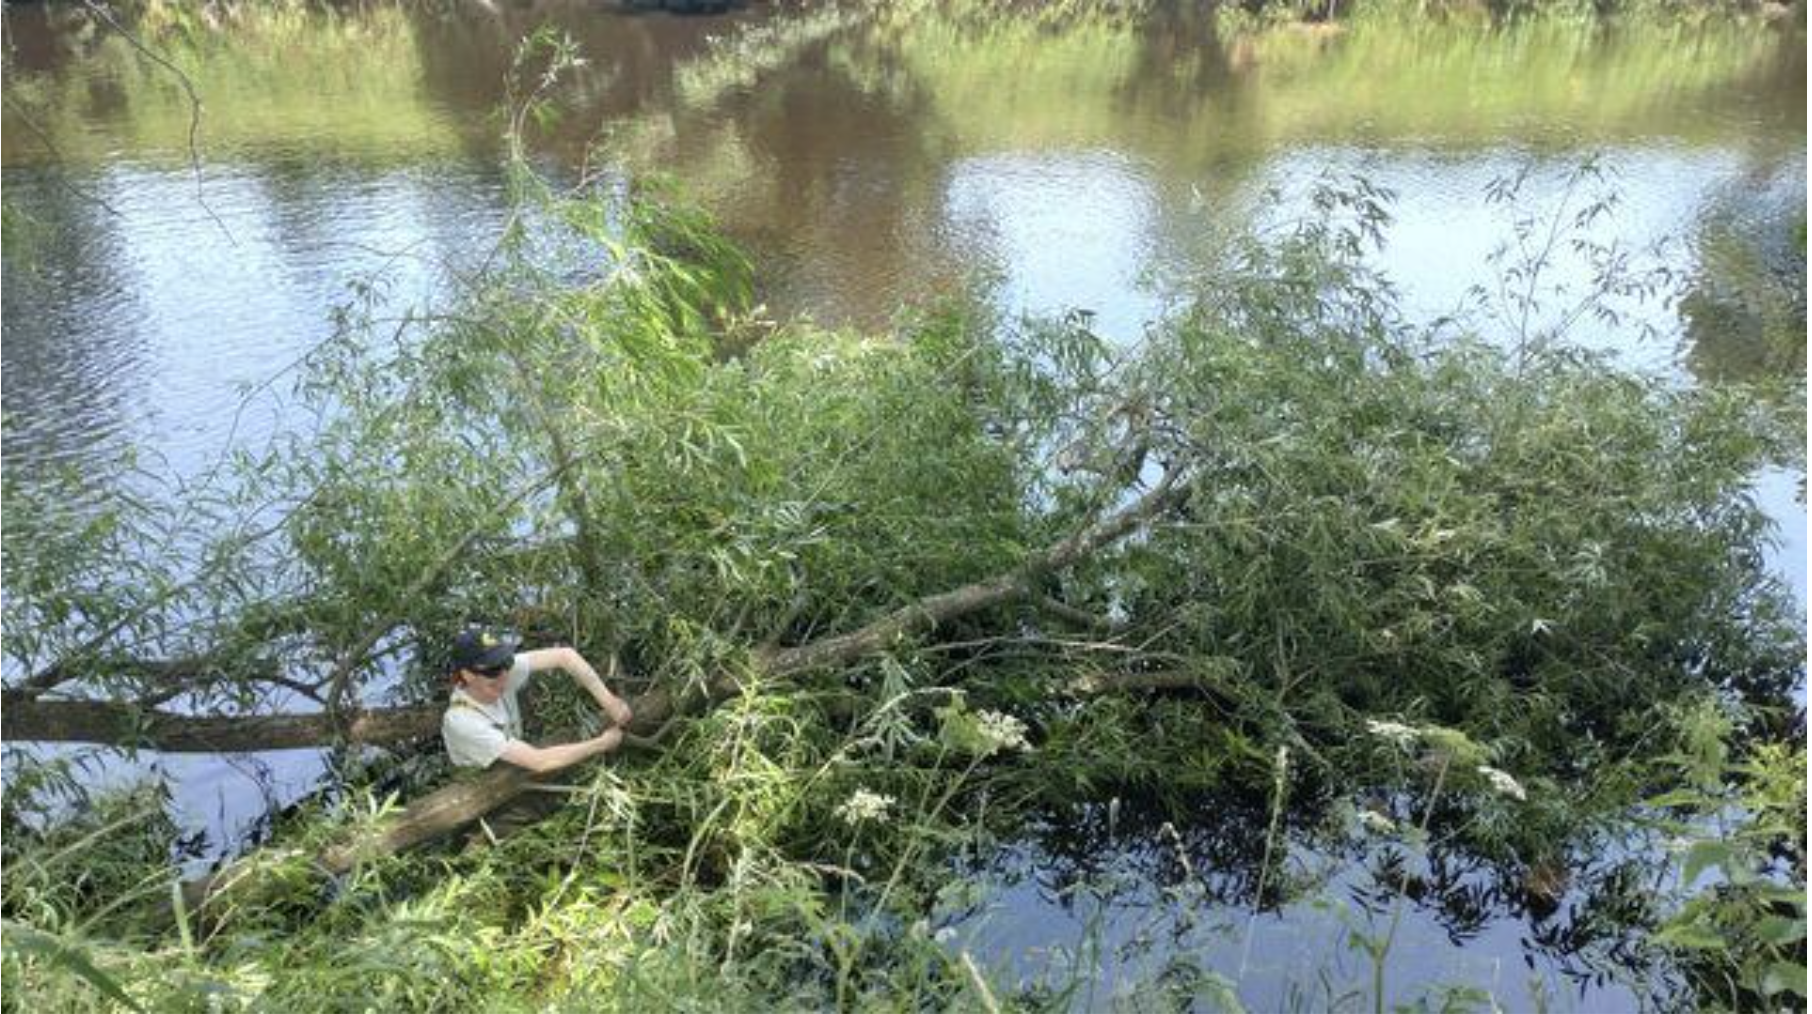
x=1398, y=733
x=1003, y=732
x=1377, y=823
x=863, y=806
x=1503, y=784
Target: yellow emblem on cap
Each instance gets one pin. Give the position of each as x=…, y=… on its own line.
x=485, y=639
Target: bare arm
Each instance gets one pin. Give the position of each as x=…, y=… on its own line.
x=581, y=671
x=542, y=759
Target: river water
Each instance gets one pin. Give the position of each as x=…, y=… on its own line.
x=867, y=156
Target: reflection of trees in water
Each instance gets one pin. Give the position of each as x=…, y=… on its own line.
x=431, y=75
x=1182, y=63
x=847, y=164
x=73, y=350
x=332, y=223
x=630, y=60
x=1586, y=916
x=824, y=167
x=1744, y=312
x=46, y=37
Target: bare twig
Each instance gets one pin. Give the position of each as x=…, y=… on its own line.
x=188, y=88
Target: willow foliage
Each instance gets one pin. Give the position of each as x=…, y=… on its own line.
x=604, y=440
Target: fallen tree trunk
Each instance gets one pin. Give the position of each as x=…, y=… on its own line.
x=453, y=806
x=438, y=813
x=36, y=719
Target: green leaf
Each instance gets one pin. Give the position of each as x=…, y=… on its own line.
x=1695, y=936
x=31, y=941
x=641, y=914
x=1778, y=929
x=1795, y=896
x=1701, y=855
x=1785, y=976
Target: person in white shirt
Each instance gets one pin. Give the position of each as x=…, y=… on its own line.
x=483, y=723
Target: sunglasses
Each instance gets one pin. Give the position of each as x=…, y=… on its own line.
x=492, y=672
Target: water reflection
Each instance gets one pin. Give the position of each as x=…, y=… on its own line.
x=1149, y=893
x=866, y=160
x=145, y=326
x=61, y=380
x=1069, y=231
x=1744, y=314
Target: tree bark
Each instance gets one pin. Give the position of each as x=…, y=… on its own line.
x=920, y=617
x=37, y=719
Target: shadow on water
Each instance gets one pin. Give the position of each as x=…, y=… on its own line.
x=1102, y=898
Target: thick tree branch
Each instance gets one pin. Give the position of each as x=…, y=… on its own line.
x=455, y=805
x=36, y=719
x=165, y=678
x=935, y=610
x=1077, y=617
x=924, y=615
x=438, y=813
x=1165, y=495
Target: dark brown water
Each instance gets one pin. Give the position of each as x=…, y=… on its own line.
x=868, y=156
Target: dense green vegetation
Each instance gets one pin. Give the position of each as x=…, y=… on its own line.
x=1509, y=588
x=1476, y=598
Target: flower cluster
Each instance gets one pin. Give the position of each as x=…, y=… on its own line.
x=1003, y=732
x=1503, y=784
x=1403, y=735
x=864, y=806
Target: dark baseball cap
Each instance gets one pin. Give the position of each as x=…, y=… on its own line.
x=479, y=647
